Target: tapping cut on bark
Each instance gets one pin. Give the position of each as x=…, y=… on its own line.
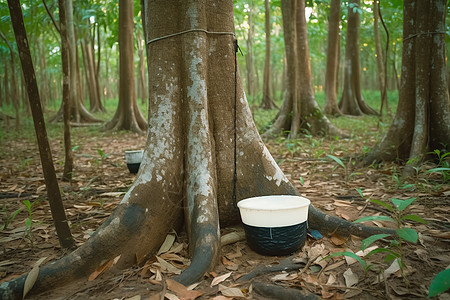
x=187, y=166
x=422, y=120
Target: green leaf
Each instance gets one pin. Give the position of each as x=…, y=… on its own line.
x=402, y=204
x=408, y=234
x=100, y=152
x=374, y=218
x=349, y=254
x=360, y=192
x=302, y=181
x=336, y=159
x=440, y=283
x=437, y=170
x=384, y=204
x=414, y=218
x=381, y=250
x=368, y=241
x=28, y=223
x=27, y=204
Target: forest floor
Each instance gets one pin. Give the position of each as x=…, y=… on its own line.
x=101, y=178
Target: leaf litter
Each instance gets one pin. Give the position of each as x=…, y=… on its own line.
x=98, y=186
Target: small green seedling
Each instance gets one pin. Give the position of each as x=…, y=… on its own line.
x=8, y=219
x=394, y=250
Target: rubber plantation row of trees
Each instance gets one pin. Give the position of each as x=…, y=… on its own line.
x=94, y=39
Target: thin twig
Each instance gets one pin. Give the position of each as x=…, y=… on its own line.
x=51, y=17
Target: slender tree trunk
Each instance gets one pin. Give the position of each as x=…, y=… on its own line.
x=352, y=102
x=422, y=121
x=74, y=102
x=14, y=84
x=249, y=58
x=381, y=74
x=68, y=155
x=6, y=83
x=331, y=73
x=53, y=192
x=267, y=100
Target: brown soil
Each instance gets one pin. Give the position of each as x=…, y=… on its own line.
x=98, y=185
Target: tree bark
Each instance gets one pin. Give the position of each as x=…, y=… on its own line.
x=141, y=71
x=331, y=73
x=53, y=192
x=422, y=121
x=352, y=102
x=381, y=74
x=78, y=111
x=14, y=83
x=249, y=57
x=128, y=115
x=195, y=96
x=300, y=110
x=267, y=101
x=68, y=155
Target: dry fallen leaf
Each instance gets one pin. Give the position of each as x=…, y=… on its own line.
x=350, y=278
x=31, y=277
x=181, y=291
x=168, y=242
x=231, y=292
x=220, y=278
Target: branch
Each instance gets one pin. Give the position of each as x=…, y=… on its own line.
x=51, y=17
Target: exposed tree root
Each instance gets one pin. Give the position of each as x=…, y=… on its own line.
x=273, y=291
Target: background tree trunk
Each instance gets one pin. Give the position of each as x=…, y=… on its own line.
x=300, y=109
x=352, y=102
x=128, y=115
x=422, y=121
x=14, y=84
x=381, y=74
x=331, y=74
x=249, y=57
x=53, y=192
x=267, y=100
x=68, y=155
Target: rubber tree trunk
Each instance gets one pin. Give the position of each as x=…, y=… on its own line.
x=249, y=57
x=300, y=111
x=78, y=112
x=422, y=121
x=352, y=102
x=267, y=101
x=68, y=155
x=332, y=68
x=127, y=116
x=381, y=70
x=51, y=183
x=14, y=84
x=187, y=168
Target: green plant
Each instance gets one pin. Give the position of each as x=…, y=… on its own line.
x=7, y=218
x=440, y=283
x=394, y=249
x=443, y=166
